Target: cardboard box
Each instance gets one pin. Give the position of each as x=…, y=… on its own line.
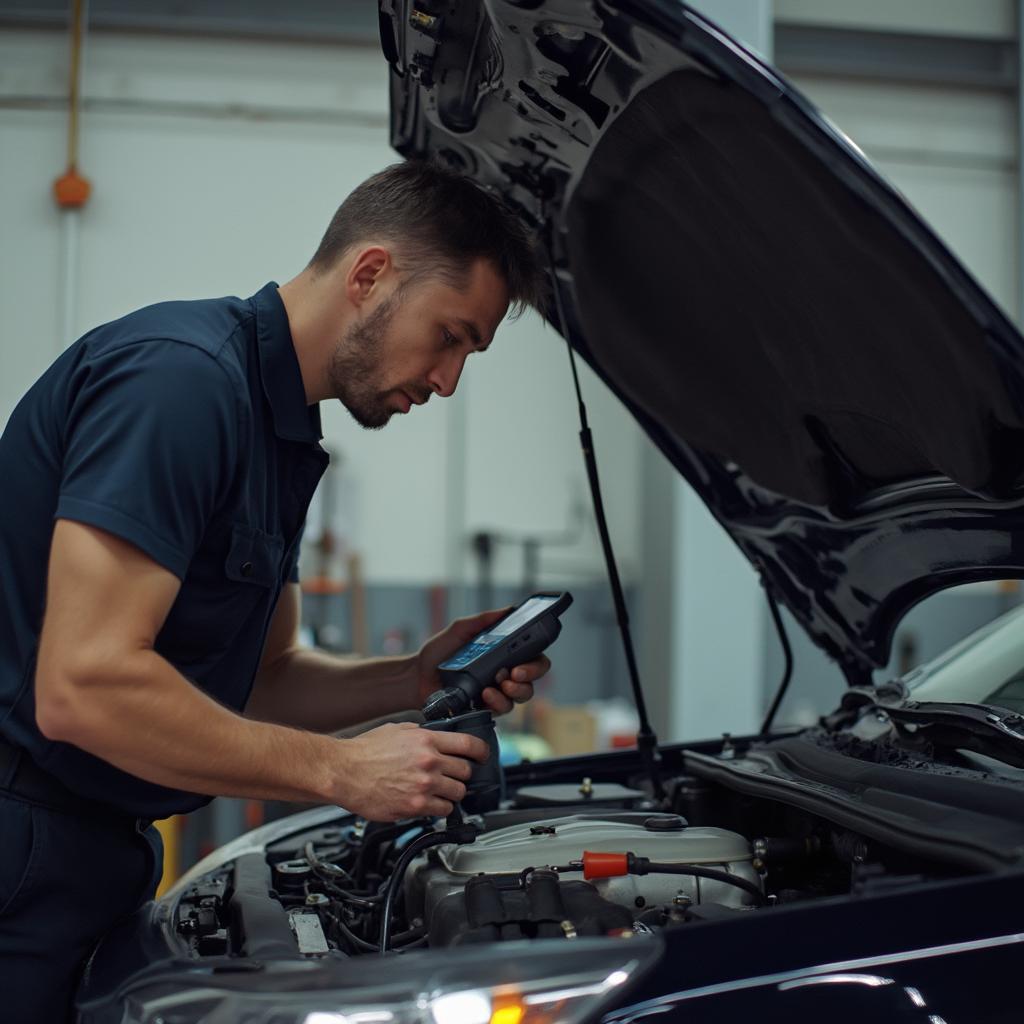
x=568, y=729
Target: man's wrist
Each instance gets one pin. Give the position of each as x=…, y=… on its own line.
x=400, y=673
x=412, y=684
x=329, y=758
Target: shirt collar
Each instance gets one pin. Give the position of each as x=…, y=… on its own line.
x=294, y=420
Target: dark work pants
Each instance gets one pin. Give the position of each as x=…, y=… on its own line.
x=65, y=879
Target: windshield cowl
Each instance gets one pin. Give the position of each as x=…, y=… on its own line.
x=934, y=728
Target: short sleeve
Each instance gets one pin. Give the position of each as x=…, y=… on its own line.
x=149, y=447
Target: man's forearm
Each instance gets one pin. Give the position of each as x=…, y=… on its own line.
x=147, y=719
x=314, y=690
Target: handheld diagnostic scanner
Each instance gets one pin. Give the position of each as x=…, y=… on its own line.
x=521, y=635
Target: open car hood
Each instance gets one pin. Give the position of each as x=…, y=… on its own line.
x=837, y=388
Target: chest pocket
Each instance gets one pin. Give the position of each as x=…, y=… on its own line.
x=254, y=557
x=224, y=599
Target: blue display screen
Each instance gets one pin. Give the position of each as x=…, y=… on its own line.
x=479, y=645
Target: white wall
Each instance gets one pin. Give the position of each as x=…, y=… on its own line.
x=216, y=166
x=994, y=19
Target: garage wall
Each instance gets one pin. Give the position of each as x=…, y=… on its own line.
x=216, y=165
x=978, y=18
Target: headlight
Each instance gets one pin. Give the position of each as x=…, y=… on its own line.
x=540, y=982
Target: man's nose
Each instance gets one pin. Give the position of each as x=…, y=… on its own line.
x=444, y=378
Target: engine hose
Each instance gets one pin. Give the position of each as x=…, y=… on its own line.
x=710, y=873
x=365, y=902
x=376, y=834
x=358, y=943
x=326, y=871
x=416, y=847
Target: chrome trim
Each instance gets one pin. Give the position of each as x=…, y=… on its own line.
x=664, y=1003
x=915, y=996
x=870, y=980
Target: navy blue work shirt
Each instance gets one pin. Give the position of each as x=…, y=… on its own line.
x=183, y=429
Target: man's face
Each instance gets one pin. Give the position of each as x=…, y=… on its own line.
x=414, y=343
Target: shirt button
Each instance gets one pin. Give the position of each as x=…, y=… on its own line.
x=247, y=568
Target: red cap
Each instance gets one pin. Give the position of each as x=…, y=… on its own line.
x=605, y=865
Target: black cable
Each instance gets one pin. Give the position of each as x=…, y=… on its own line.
x=409, y=939
x=365, y=902
x=787, y=651
x=355, y=940
x=683, y=869
x=646, y=740
x=417, y=846
x=376, y=834
x=711, y=874
x=326, y=872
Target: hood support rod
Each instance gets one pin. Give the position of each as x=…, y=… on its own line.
x=646, y=740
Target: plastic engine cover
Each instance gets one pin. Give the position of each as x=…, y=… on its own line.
x=557, y=841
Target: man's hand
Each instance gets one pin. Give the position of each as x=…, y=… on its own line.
x=402, y=771
x=515, y=687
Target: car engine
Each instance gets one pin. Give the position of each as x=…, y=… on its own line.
x=537, y=872
x=555, y=861
x=527, y=880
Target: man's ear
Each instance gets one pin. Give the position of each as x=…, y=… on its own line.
x=366, y=272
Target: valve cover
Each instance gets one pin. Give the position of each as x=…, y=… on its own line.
x=559, y=841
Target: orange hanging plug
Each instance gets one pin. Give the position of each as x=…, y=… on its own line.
x=71, y=189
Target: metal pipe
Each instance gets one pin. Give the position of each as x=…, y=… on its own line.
x=70, y=215
x=78, y=22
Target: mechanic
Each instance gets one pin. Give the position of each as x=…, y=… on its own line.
x=157, y=479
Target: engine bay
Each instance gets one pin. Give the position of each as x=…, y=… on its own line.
x=557, y=861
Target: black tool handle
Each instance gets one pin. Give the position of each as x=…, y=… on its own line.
x=483, y=791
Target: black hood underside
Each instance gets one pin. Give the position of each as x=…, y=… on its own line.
x=837, y=388
x=810, y=344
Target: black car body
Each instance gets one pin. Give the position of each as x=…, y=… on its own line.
x=849, y=403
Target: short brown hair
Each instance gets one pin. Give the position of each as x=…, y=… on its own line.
x=441, y=223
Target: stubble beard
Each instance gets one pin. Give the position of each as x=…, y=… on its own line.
x=354, y=368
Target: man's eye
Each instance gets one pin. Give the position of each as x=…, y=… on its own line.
x=449, y=338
